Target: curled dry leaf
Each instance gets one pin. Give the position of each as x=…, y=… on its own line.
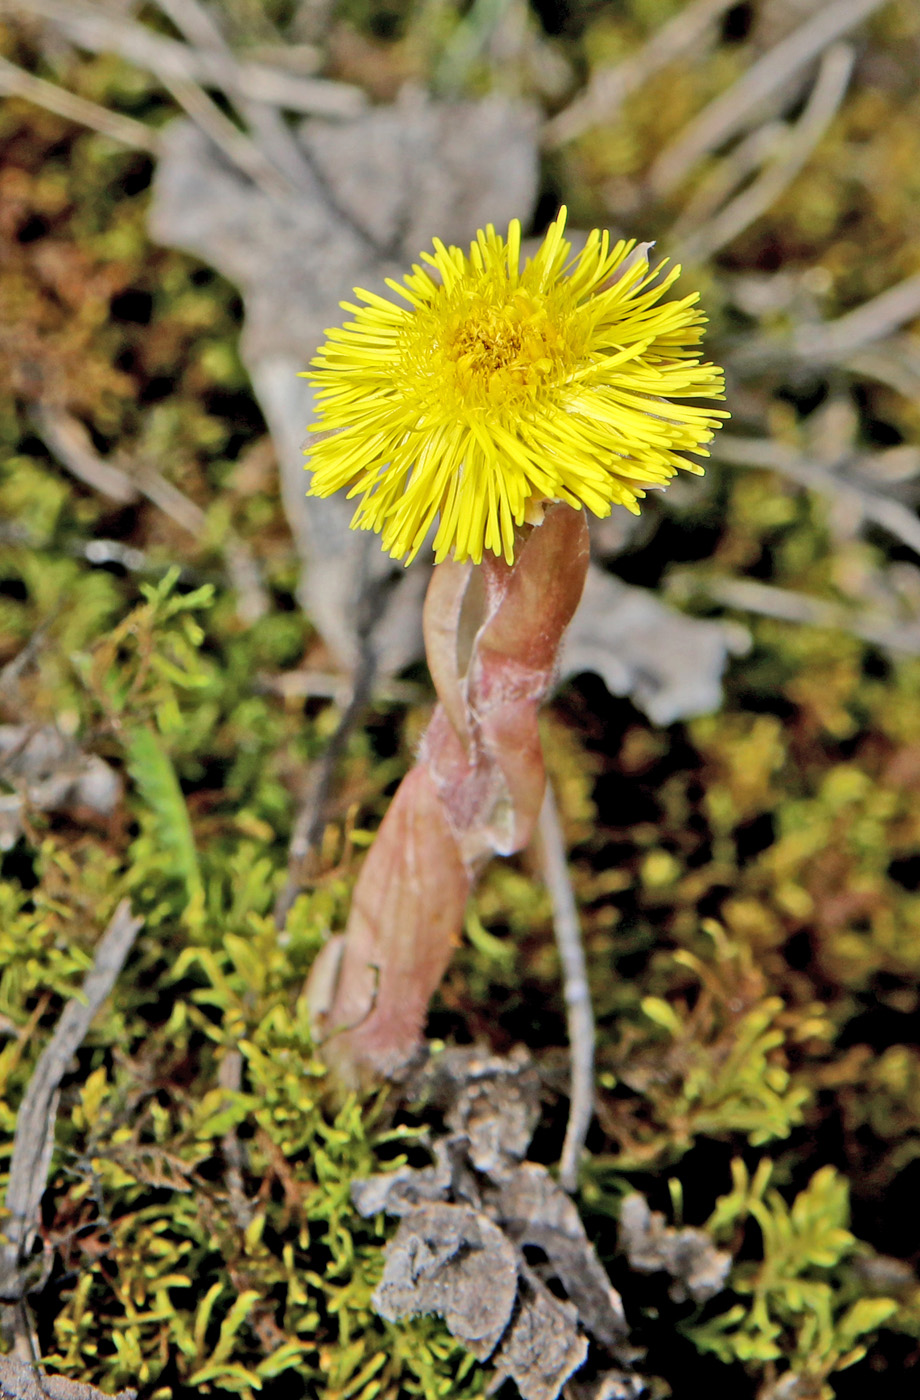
x=495, y=1106
x=699, y=1269
x=451, y=1260
x=535, y=1210
x=543, y=1346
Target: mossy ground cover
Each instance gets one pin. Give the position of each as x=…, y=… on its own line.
x=749, y=881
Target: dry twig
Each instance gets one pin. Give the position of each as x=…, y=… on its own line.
x=733, y=109
x=787, y=605
x=311, y=819
x=33, y=1143
x=16, y=82
x=871, y=322
x=236, y=144
x=579, y=1014
x=609, y=88
x=791, y=148
x=101, y=31
x=70, y=443
x=259, y=110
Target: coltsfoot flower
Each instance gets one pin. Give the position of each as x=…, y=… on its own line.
x=498, y=388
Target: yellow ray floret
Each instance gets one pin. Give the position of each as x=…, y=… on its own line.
x=496, y=387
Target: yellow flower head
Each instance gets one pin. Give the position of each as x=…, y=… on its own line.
x=497, y=387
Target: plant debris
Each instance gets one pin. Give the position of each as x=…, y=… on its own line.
x=451, y=1260
x=51, y=774
x=699, y=1269
x=468, y=1221
x=33, y=1143
x=670, y=665
x=20, y=1381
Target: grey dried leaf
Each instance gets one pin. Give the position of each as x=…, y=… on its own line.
x=420, y=169
x=466, y=1221
x=688, y=1255
x=495, y=1105
x=19, y=1381
x=543, y=1346
x=451, y=1260
x=610, y=1385
x=55, y=775
x=669, y=664
x=399, y=1192
x=534, y=1210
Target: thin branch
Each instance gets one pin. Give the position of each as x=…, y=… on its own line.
x=170, y=499
x=895, y=363
x=274, y=162
x=100, y=31
x=11, y=672
x=260, y=114
x=733, y=109
x=789, y=155
x=33, y=1143
x=237, y=145
x=736, y=167
x=69, y=442
x=875, y=319
x=609, y=88
x=230, y=1077
x=579, y=1013
x=334, y=685
x=71, y=445
x=246, y=580
x=16, y=82
x=787, y=605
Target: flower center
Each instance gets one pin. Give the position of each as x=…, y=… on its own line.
x=493, y=353
x=498, y=350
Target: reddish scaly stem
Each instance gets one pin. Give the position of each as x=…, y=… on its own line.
x=492, y=635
